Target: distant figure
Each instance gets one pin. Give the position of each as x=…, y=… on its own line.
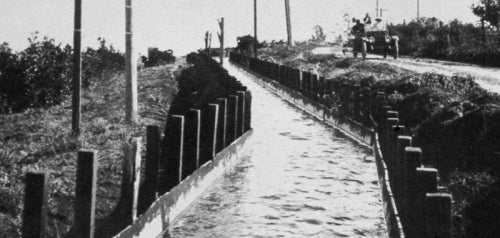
x=367, y=20
x=358, y=27
x=378, y=25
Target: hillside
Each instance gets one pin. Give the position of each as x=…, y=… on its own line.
x=40, y=139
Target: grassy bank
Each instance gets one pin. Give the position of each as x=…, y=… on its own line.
x=40, y=139
x=453, y=120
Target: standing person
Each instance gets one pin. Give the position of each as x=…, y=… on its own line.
x=367, y=20
x=358, y=27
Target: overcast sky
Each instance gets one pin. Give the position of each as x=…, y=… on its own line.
x=180, y=24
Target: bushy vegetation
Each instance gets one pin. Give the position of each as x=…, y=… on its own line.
x=100, y=64
x=157, y=57
x=35, y=77
x=201, y=84
x=457, y=41
x=41, y=74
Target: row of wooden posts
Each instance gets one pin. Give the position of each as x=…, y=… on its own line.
x=419, y=206
x=423, y=210
x=190, y=141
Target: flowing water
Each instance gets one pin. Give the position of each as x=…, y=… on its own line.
x=297, y=178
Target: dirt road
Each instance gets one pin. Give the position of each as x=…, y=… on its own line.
x=486, y=77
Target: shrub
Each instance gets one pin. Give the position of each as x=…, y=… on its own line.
x=40, y=75
x=455, y=41
x=101, y=63
x=157, y=57
x=36, y=77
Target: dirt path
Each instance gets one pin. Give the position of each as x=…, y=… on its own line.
x=486, y=77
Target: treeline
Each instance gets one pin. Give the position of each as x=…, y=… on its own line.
x=455, y=41
x=41, y=74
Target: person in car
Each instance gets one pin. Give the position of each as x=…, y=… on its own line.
x=367, y=20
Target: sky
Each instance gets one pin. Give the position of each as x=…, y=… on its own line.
x=180, y=24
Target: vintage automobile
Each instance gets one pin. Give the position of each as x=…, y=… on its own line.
x=375, y=40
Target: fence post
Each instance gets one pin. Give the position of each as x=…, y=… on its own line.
x=438, y=215
x=232, y=118
x=213, y=118
x=248, y=110
x=172, y=154
x=314, y=88
x=413, y=160
x=426, y=183
x=366, y=104
x=241, y=113
x=322, y=89
x=222, y=123
x=192, y=142
x=388, y=142
x=396, y=177
x=147, y=194
x=85, y=193
x=35, y=204
x=133, y=155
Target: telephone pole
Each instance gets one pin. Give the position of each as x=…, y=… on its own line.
x=377, y=10
x=221, y=40
x=130, y=68
x=77, y=69
x=288, y=22
x=255, y=28
x=418, y=10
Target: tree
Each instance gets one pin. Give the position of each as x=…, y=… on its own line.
x=488, y=11
x=246, y=44
x=319, y=35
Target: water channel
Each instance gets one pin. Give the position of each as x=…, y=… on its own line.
x=297, y=178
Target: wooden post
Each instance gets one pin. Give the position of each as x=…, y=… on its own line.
x=130, y=186
x=402, y=142
x=213, y=118
x=35, y=204
x=77, y=69
x=256, y=42
x=426, y=183
x=85, y=193
x=147, y=194
x=241, y=113
x=248, y=110
x=232, y=118
x=413, y=160
x=222, y=124
x=288, y=23
x=192, y=142
x=438, y=215
x=130, y=67
x=172, y=155
x=314, y=87
x=388, y=142
x=221, y=39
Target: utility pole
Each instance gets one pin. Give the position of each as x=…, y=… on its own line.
x=221, y=40
x=377, y=11
x=418, y=10
x=77, y=69
x=255, y=28
x=130, y=67
x=288, y=23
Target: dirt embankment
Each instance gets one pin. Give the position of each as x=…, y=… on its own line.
x=453, y=119
x=41, y=140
